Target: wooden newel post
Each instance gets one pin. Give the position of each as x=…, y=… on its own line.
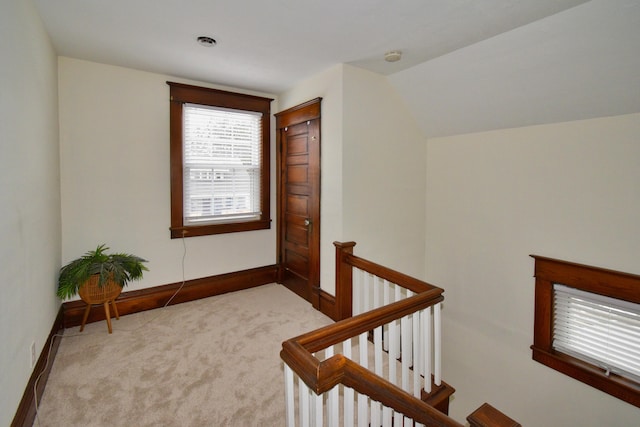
x=344, y=280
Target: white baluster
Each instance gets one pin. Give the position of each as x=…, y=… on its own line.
x=394, y=345
x=348, y=391
x=437, y=344
x=387, y=416
x=378, y=367
x=356, y=291
x=415, y=319
x=363, y=410
x=333, y=404
x=386, y=300
x=375, y=413
x=405, y=340
x=377, y=347
x=289, y=399
x=363, y=407
x=426, y=335
x=303, y=401
x=409, y=358
x=397, y=297
x=317, y=409
x=397, y=419
x=376, y=292
x=364, y=294
x=366, y=291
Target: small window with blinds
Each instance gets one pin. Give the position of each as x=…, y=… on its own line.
x=219, y=161
x=587, y=325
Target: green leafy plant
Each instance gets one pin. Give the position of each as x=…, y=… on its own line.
x=118, y=267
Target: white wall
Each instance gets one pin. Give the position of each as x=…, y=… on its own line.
x=568, y=191
x=114, y=148
x=383, y=174
x=29, y=196
x=372, y=156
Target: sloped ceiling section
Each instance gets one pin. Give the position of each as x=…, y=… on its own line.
x=578, y=64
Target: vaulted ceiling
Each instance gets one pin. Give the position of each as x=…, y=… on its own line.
x=467, y=65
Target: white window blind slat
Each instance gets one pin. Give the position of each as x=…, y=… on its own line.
x=622, y=327
x=598, y=329
x=614, y=347
x=594, y=348
x=221, y=164
x=590, y=329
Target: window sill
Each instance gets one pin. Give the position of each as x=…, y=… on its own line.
x=613, y=384
x=210, y=229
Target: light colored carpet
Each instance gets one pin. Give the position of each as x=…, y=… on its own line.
x=211, y=362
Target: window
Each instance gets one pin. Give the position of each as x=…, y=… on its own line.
x=599, y=330
x=219, y=161
x=587, y=325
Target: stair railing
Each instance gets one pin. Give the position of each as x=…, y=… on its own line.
x=380, y=364
x=394, y=337
x=362, y=285
x=329, y=378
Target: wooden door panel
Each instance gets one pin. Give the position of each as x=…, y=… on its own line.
x=297, y=205
x=297, y=174
x=297, y=263
x=302, y=159
x=297, y=144
x=298, y=236
x=300, y=190
x=296, y=221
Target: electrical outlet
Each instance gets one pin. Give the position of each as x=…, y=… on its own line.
x=33, y=354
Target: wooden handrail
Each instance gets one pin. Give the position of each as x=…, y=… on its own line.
x=353, y=326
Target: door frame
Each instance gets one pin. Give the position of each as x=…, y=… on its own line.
x=301, y=113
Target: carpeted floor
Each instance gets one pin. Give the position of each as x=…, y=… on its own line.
x=211, y=362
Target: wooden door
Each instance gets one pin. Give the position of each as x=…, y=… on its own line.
x=298, y=141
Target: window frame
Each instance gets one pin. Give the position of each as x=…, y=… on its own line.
x=181, y=94
x=614, y=284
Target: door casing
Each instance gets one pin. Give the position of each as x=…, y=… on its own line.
x=306, y=114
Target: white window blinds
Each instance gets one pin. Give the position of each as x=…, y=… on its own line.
x=597, y=329
x=221, y=164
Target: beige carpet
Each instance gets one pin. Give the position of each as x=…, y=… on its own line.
x=211, y=362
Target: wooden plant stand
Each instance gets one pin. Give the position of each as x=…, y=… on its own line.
x=93, y=294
